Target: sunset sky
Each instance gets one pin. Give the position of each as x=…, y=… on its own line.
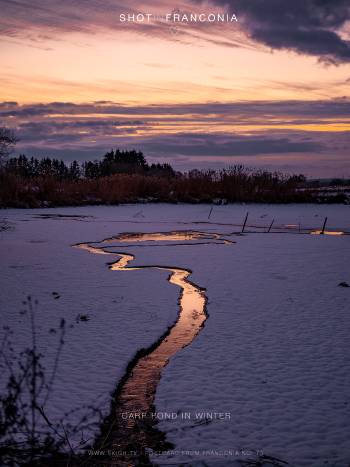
x=271, y=90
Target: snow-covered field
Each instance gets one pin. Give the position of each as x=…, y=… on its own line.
x=274, y=352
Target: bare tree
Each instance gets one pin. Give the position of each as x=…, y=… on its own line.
x=7, y=142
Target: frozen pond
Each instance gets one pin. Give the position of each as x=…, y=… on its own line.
x=268, y=373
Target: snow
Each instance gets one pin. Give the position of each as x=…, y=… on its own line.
x=273, y=353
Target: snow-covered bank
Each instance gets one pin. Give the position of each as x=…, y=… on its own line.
x=273, y=352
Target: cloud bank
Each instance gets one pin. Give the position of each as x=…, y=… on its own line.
x=309, y=27
x=192, y=135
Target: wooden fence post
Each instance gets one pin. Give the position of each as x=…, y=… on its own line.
x=245, y=221
x=268, y=231
x=324, y=225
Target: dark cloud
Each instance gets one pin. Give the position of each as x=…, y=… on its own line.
x=177, y=147
x=309, y=27
x=218, y=145
x=251, y=109
x=8, y=104
x=53, y=132
x=76, y=125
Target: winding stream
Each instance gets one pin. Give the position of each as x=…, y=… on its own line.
x=130, y=425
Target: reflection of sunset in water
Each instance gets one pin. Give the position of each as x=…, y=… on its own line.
x=327, y=232
x=91, y=249
x=161, y=236
x=184, y=235
x=137, y=392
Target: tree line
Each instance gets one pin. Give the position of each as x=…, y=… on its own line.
x=113, y=162
x=126, y=176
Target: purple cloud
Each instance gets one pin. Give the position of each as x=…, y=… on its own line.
x=309, y=27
